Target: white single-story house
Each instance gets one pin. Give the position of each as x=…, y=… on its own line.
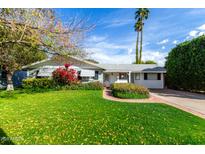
x=148, y=75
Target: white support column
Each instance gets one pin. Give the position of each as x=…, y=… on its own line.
x=129, y=77
x=27, y=73
x=162, y=80
x=117, y=77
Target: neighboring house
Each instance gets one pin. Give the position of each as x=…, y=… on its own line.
x=2, y=79
x=17, y=78
x=148, y=75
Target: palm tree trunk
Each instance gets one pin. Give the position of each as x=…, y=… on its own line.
x=10, y=85
x=137, y=43
x=140, y=59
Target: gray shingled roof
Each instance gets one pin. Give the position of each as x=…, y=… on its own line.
x=106, y=67
x=132, y=67
x=52, y=62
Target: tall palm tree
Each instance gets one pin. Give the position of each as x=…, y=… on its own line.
x=140, y=15
x=138, y=28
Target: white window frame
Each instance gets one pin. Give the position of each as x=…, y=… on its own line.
x=148, y=75
x=137, y=76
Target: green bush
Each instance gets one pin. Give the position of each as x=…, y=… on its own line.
x=128, y=90
x=42, y=84
x=186, y=66
x=35, y=83
x=85, y=86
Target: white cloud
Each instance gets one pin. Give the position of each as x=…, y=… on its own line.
x=145, y=44
x=163, y=41
x=118, y=23
x=130, y=51
x=193, y=33
x=202, y=27
x=117, y=53
x=196, y=32
x=175, y=42
x=95, y=38
x=126, y=58
x=201, y=33
x=104, y=57
x=107, y=45
x=187, y=38
x=156, y=56
x=163, y=47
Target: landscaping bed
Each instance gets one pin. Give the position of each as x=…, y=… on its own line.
x=127, y=90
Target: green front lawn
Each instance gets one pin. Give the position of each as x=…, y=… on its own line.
x=84, y=117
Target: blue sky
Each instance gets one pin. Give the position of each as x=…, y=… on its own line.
x=113, y=40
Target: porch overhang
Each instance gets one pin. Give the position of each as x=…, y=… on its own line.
x=116, y=71
x=123, y=71
x=151, y=72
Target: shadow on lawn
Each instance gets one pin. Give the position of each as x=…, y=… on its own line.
x=4, y=139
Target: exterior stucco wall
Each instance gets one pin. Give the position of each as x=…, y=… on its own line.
x=153, y=84
x=100, y=76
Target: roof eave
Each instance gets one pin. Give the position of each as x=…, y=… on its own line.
x=154, y=71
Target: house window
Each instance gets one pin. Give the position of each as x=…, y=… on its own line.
x=151, y=76
x=96, y=75
x=122, y=76
x=137, y=76
x=158, y=76
x=145, y=76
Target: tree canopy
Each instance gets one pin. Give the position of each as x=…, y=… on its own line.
x=141, y=14
x=147, y=62
x=186, y=65
x=27, y=34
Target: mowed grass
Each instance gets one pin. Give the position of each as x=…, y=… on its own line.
x=84, y=117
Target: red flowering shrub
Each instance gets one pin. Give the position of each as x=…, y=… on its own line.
x=65, y=75
x=67, y=65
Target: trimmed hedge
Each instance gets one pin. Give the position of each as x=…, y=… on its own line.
x=33, y=83
x=186, y=66
x=128, y=90
x=85, y=86
x=47, y=83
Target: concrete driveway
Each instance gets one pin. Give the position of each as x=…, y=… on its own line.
x=190, y=102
